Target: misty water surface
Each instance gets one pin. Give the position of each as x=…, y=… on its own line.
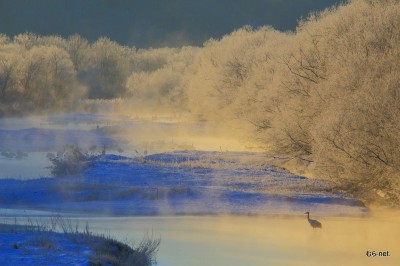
x=37, y=136
x=265, y=240
x=260, y=240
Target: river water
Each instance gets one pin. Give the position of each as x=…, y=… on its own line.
x=264, y=240
x=259, y=240
x=35, y=137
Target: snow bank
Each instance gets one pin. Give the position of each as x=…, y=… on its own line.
x=182, y=182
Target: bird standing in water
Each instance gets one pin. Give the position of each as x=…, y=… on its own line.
x=313, y=223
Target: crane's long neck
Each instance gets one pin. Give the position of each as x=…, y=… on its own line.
x=308, y=216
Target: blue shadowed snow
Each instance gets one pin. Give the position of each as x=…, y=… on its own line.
x=30, y=248
x=184, y=182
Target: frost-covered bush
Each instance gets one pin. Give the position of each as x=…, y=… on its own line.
x=71, y=160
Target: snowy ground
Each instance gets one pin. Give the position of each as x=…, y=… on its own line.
x=59, y=241
x=181, y=182
x=38, y=248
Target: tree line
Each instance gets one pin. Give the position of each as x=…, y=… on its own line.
x=41, y=73
x=327, y=93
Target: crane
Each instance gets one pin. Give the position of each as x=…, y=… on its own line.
x=313, y=223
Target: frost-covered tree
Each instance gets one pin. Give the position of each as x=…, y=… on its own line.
x=222, y=70
x=158, y=76
x=8, y=74
x=48, y=76
x=109, y=67
x=78, y=50
x=339, y=96
x=355, y=135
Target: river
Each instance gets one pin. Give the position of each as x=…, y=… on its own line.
x=264, y=240
x=260, y=240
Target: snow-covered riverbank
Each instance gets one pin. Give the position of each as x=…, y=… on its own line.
x=185, y=182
